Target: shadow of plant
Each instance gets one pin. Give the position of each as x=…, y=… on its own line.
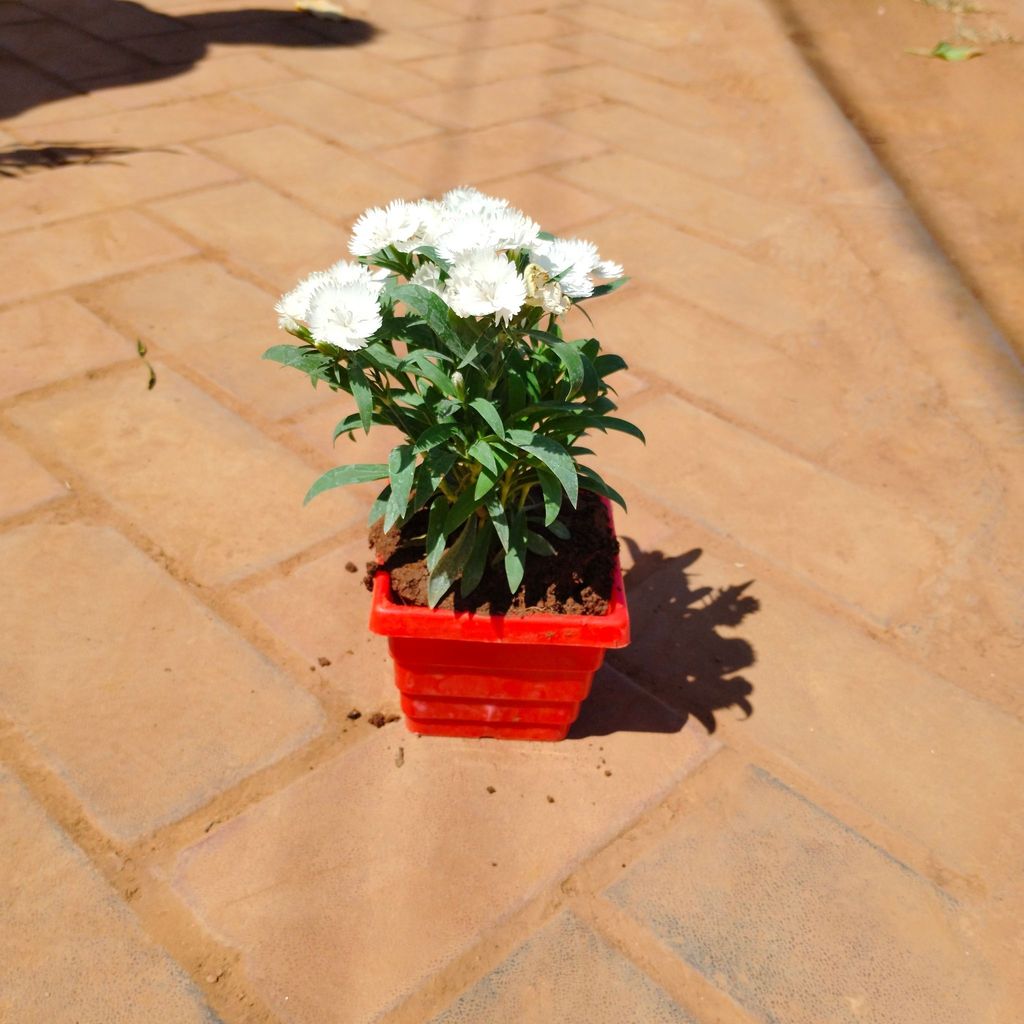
x=126, y=43
x=677, y=653
x=18, y=160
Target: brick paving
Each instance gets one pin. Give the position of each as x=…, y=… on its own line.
x=796, y=800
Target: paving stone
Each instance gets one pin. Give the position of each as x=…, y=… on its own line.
x=182, y=121
x=108, y=183
x=554, y=204
x=566, y=972
x=142, y=726
x=355, y=70
x=66, y=52
x=31, y=333
x=633, y=25
x=800, y=919
x=846, y=709
x=500, y=31
x=70, y=951
x=691, y=109
x=478, y=106
x=496, y=152
x=26, y=483
x=315, y=429
x=399, y=46
x=817, y=530
x=312, y=905
x=259, y=228
x=499, y=62
x=714, y=156
x=352, y=120
x=13, y=13
x=666, y=66
x=31, y=98
x=98, y=18
x=214, y=493
x=207, y=78
x=689, y=201
x=329, y=179
x=710, y=276
x=789, y=389
x=399, y=14
x=63, y=255
x=216, y=323
x=321, y=610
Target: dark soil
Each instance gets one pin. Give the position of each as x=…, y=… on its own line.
x=576, y=581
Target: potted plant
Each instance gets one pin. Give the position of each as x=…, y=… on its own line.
x=497, y=578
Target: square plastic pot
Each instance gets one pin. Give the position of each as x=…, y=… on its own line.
x=505, y=677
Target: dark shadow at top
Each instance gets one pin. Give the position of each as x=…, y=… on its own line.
x=677, y=654
x=111, y=43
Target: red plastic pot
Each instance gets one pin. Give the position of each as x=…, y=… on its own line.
x=506, y=677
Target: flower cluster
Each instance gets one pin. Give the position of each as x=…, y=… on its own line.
x=437, y=327
x=483, y=257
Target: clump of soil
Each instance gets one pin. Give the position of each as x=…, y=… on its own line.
x=575, y=581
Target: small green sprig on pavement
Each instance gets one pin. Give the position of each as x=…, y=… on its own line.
x=447, y=328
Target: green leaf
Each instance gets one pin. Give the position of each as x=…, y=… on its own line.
x=567, y=354
x=539, y=545
x=435, y=533
x=488, y=412
x=476, y=564
x=359, y=473
x=614, y=423
x=435, y=435
x=482, y=452
x=401, y=466
x=470, y=499
x=347, y=425
x=602, y=289
x=429, y=475
x=451, y=563
x=515, y=557
x=591, y=481
x=434, y=311
x=498, y=515
x=361, y=393
x=420, y=364
x=608, y=363
x=947, y=51
x=553, y=455
x=379, y=506
x=552, y=492
x=560, y=530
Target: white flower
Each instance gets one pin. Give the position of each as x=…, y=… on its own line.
x=482, y=283
x=395, y=224
x=293, y=307
x=344, y=314
x=471, y=200
x=512, y=229
x=572, y=261
x=428, y=276
x=498, y=228
x=463, y=234
x=345, y=272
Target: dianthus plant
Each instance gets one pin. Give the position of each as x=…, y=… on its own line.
x=447, y=327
